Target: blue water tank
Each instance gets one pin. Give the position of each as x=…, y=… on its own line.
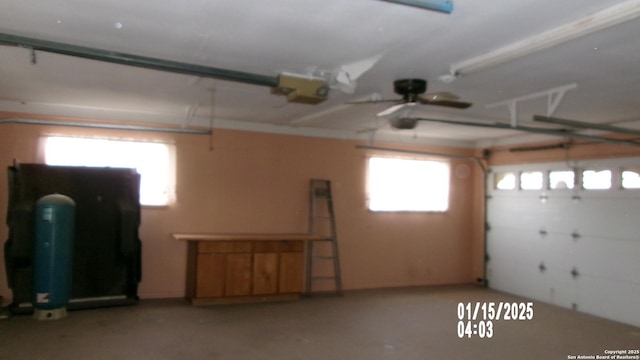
x=53, y=253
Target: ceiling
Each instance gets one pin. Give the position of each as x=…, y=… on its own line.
x=318, y=38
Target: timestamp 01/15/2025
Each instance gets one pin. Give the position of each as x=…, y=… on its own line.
x=481, y=315
x=495, y=311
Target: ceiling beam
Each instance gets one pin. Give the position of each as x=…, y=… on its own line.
x=138, y=61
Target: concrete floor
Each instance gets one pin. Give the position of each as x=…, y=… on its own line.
x=415, y=323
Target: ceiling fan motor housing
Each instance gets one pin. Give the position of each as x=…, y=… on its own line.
x=410, y=88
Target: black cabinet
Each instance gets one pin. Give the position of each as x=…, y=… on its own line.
x=107, y=250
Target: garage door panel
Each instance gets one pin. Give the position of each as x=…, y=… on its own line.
x=609, y=299
x=557, y=211
x=549, y=251
x=516, y=278
x=555, y=285
x=591, y=257
x=561, y=288
x=532, y=215
x=608, y=259
x=608, y=218
x=513, y=244
x=525, y=222
x=559, y=252
x=567, y=216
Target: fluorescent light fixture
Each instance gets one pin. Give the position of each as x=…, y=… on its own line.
x=445, y=6
x=614, y=15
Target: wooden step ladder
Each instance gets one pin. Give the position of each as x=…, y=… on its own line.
x=323, y=263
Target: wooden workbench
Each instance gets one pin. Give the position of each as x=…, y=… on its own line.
x=241, y=268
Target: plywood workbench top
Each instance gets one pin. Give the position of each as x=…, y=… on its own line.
x=244, y=237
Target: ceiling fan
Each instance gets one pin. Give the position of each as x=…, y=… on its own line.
x=411, y=90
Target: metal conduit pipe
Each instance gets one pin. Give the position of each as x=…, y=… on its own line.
x=105, y=126
x=562, y=133
x=451, y=156
x=138, y=61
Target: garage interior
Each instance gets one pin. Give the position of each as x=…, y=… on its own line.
x=530, y=107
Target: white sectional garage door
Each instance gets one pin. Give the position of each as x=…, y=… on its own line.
x=575, y=248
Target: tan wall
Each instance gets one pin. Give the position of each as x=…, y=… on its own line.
x=253, y=182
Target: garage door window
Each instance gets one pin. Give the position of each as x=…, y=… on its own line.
x=531, y=180
x=596, y=179
x=631, y=178
x=505, y=181
x=560, y=180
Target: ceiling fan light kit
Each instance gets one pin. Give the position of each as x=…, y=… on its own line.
x=404, y=123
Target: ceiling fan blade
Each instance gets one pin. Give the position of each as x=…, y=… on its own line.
x=395, y=108
x=442, y=95
x=445, y=102
x=373, y=101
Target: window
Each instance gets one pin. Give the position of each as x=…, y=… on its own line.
x=631, y=178
x=531, y=180
x=153, y=161
x=561, y=179
x=408, y=185
x=505, y=181
x=596, y=179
